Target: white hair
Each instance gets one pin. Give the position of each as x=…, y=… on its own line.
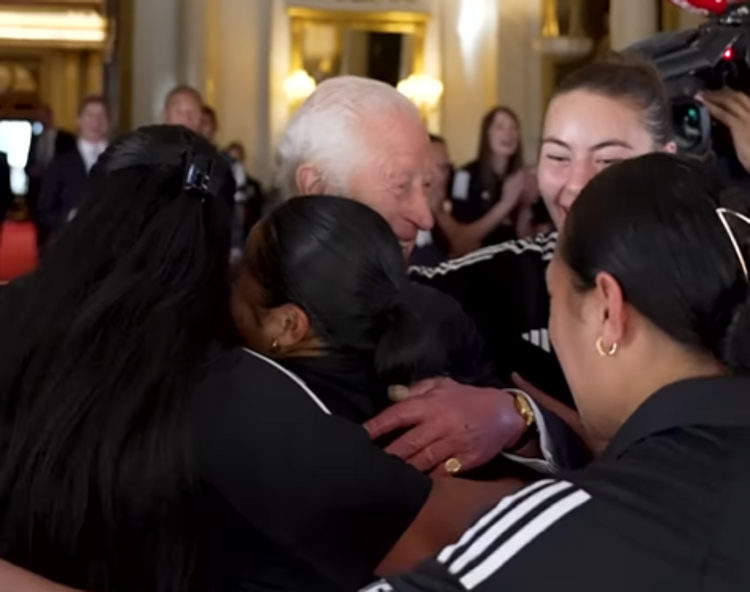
x=326, y=131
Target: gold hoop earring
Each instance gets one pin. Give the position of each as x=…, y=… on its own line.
x=605, y=353
x=275, y=347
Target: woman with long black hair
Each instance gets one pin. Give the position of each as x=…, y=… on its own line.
x=143, y=448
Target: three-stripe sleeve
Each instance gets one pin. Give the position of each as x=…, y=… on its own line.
x=507, y=529
x=495, y=539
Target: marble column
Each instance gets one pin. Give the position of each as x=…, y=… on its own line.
x=156, y=61
x=520, y=69
x=631, y=21
x=242, y=63
x=469, y=40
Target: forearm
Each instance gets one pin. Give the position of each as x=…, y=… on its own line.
x=15, y=579
x=453, y=506
x=487, y=223
x=466, y=237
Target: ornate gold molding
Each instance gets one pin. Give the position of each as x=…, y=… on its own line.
x=391, y=21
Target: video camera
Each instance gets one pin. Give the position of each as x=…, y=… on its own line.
x=716, y=55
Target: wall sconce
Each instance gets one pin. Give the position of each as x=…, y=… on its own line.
x=298, y=86
x=422, y=90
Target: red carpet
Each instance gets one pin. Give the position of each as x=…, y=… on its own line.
x=17, y=249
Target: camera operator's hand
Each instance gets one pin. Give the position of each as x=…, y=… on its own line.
x=732, y=108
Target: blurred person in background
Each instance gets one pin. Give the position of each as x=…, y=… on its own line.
x=248, y=199
x=6, y=191
x=67, y=173
x=183, y=105
x=209, y=124
x=44, y=147
x=497, y=176
x=250, y=190
x=432, y=246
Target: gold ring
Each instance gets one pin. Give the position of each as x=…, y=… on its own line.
x=452, y=466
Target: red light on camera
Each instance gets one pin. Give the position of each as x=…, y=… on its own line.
x=728, y=54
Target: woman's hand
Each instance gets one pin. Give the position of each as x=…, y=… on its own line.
x=513, y=190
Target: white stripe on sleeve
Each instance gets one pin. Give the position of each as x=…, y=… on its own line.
x=446, y=554
x=544, y=245
x=512, y=546
x=515, y=517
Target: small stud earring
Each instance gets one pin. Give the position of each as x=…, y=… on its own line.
x=605, y=352
x=275, y=347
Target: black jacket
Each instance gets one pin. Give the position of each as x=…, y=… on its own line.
x=663, y=510
x=503, y=289
x=63, y=182
x=6, y=193
x=466, y=338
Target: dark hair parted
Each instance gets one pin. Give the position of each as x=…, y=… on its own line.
x=98, y=363
x=651, y=223
x=629, y=78
x=341, y=263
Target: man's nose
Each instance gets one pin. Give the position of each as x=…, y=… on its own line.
x=418, y=209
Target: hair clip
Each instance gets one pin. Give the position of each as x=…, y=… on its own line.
x=722, y=213
x=198, y=175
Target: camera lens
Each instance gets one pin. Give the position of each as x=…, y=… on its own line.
x=687, y=123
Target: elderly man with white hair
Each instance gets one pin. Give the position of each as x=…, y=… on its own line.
x=360, y=138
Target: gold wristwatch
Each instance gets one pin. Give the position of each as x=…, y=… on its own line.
x=524, y=409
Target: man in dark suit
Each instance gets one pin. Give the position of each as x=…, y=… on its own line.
x=67, y=173
x=6, y=193
x=45, y=146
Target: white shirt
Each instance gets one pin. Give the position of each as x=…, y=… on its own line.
x=90, y=152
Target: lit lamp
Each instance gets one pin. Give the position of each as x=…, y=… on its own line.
x=44, y=25
x=422, y=90
x=298, y=86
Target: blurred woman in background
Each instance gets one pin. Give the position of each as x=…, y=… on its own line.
x=487, y=193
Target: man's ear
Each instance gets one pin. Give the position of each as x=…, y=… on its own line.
x=309, y=180
x=670, y=147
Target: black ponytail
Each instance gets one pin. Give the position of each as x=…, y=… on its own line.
x=341, y=263
x=654, y=224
